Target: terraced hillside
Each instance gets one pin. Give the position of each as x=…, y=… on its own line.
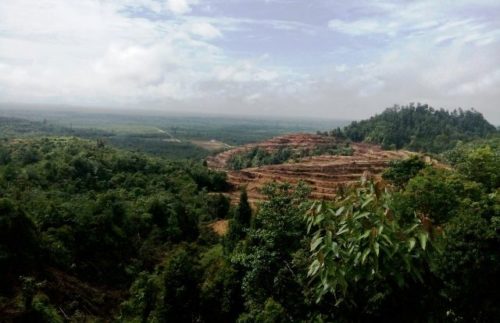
x=324, y=173
x=295, y=142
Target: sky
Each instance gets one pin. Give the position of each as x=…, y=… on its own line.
x=314, y=58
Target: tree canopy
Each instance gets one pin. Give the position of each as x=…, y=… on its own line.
x=420, y=128
x=93, y=233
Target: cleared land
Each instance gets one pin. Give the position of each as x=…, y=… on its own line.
x=220, y=227
x=325, y=174
x=211, y=145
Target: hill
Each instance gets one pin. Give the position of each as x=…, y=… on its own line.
x=420, y=128
x=325, y=163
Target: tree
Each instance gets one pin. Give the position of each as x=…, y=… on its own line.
x=469, y=267
x=401, y=171
x=240, y=222
x=420, y=128
x=144, y=294
x=19, y=245
x=481, y=165
x=434, y=194
x=243, y=214
x=364, y=256
x=218, y=206
x=180, y=292
x=220, y=291
x=266, y=255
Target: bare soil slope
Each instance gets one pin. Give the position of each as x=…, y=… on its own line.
x=325, y=173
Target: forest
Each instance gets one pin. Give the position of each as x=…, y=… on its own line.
x=420, y=128
x=91, y=232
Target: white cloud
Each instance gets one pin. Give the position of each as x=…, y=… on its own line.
x=180, y=6
x=119, y=52
x=245, y=71
x=442, y=53
x=98, y=54
x=204, y=29
x=363, y=27
x=95, y=53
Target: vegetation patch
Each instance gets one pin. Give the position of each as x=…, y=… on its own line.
x=258, y=156
x=420, y=128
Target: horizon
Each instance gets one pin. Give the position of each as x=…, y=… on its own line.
x=266, y=58
x=20, y=108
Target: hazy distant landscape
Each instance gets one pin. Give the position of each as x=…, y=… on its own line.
x=166, y=134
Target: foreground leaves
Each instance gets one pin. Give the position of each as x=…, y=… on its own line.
x=358, y=240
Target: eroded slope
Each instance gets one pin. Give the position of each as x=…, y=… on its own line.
x=324, y=174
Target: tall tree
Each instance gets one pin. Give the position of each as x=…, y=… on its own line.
x=240, y=223
x=266, y=256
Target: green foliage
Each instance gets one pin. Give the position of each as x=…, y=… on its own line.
x=93, y=222
x=180, y=279
x=362, y=254
x=257, y=156
x=401, y=171
x=220, y=291
x=93, y=212
x=18, y=242
x=420, y=128
x=45, y=311
x=29, y=287
x=167, y=136
x=266, y=256
x=240, y=223
x=480, y=164
x=243, y=214
x=470, y=266
x=143, y=299
x=218, y=206
x=272, y=312
x=170, y=294
x=435, y=194
x=158, y=145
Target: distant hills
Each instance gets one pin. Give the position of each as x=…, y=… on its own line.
x=420, y=128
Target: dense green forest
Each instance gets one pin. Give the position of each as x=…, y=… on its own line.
x=93, y=232
x=90, y=232
x=81, y=220
x=420, y=128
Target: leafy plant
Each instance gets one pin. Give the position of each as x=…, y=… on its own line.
x=360, y=250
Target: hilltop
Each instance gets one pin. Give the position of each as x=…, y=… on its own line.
x=420, y=128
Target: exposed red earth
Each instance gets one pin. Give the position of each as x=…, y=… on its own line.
x=324, y=174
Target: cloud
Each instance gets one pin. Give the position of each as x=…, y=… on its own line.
x=99, y=54
x=96, y=53
x=204, y=30
x=427, y=51
x=245, y=71
x=335, y=59
x=362, y=27
x=180, y=6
